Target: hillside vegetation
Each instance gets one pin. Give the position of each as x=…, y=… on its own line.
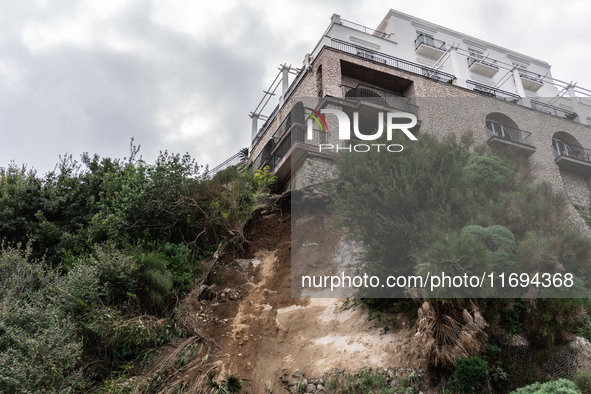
x=95, y=256
x=440, y=207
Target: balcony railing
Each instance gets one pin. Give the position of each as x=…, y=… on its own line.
x=393, y=61
x=364, y=29
x=379, y=96
x=571, y=151
x=297, y=133
x=429, y=41
x=489, y=63
x=232, y=161
x=492, y=92
x=552, y=110
x=531, y=76
x=507, y=133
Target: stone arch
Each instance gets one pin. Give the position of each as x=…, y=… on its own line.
x=564, y=144
x=501, y=125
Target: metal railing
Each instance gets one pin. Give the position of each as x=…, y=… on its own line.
x=531, y=76
x=571, y=151
x=232, y=161
x=489, y=63
x=493, y=129
x=552, y=110
x=264, y=127
x=393, y=61
x=430, y=41
x=492, y=92
x=364, y=29
x=297, y=133
x=379, y=96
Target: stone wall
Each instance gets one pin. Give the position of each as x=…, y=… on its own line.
x=443, y=109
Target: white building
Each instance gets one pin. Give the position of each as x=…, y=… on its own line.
x=409, y=58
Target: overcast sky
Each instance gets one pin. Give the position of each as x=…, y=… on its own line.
x=182, y=75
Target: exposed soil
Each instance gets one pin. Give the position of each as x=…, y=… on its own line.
x=248, y=310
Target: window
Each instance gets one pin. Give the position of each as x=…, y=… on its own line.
x=370, y=55
x=499, y=130
x=474, y=56
x=363, y=53
x=426, y=39
x=561, y=148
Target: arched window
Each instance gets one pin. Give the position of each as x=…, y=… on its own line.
x=499, y=130
x=502, y=126
x=566, y=145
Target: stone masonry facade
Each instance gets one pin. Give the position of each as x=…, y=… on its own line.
x=443, y=108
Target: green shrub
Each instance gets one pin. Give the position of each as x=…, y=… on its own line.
x=470, y=373
x=500, y=241
x=264, y=179
x=155, y=276
x=582, y=380
x=560, y=386
x=39, y=344
x=488, y=174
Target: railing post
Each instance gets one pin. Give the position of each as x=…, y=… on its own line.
x=460, y=80
x=285, y=83
x=575, y=103
x=255, y=125
x=525, y=101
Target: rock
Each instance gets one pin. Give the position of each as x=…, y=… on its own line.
x=293, y=381
x=313, y=381
x=321, y=380
x=293, y=390
x=310, y=388
x=320, y=387
x=305, y=381
x=297, y=374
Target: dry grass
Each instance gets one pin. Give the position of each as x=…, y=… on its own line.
x=447, y=331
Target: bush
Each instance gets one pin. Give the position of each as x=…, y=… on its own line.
x=265, y=180
x=39, y=344
x=470, y=373
x=560, y=386
x=582, y=380
x=487, y=174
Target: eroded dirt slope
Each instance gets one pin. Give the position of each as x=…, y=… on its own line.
x=250, y=313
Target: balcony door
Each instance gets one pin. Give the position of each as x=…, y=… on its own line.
x=499, y=130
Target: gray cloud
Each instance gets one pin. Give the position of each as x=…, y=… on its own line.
x=83, y=76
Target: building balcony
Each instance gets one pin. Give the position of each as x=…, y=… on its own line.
x=278, y=151
x=509, y=138
x=487, y=68
x=392, y=61
x=379, y=97
x=531, y=81
x=429, y=47
x=364, y=29
x=492, y=92
x=572, y=158
x=552, y=110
